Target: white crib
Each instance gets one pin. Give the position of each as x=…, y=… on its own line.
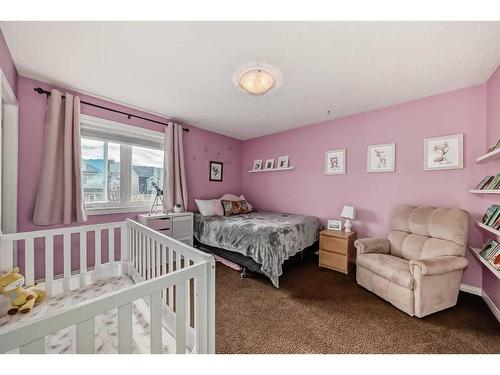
x=175, y=280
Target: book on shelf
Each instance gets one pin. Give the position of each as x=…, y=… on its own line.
x=488, y=249
x=493, y=183
x=490, y=213
x=495, y=260
x=494, y=218
x=485, y=181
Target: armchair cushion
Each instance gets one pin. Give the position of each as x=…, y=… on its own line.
x=373, y=245
x=389, y=267
x=438, y=265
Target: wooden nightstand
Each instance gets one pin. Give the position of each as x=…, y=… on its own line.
x=175, y=225
x=336, y=250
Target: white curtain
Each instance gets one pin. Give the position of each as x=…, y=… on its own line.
x=174, y=179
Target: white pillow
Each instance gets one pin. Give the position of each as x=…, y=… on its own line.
x=235, y=198
x=208, y=207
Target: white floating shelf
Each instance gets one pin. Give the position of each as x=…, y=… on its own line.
x=271, y=170
x=488, y=265
x=489, y=229
x=495, y=154
x=485, y=191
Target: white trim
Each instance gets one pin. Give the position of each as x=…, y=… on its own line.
x=118, y=128
x=9, y=125
x=7, y=96
x=104, y=210
x=480, y=292
x=471, y=289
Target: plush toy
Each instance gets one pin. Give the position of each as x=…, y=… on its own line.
x=22, y=300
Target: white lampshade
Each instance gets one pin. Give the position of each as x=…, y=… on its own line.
x=256, y=81
x=348, y=212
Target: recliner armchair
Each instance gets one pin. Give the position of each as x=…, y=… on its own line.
x=418, y=268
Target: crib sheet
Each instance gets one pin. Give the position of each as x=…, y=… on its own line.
x=106, y=325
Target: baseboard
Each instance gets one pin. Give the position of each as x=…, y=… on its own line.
x=480, y=292
x=471, y=289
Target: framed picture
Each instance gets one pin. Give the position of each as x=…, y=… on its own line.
x=444, y=152
x=257, y=165
x=334, y=224
x=216, y=170
x=269, y=164
x=282, y=162
x=381, y=158
x=335, y=162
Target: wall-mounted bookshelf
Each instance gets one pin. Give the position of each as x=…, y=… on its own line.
x=485, y=191
x=270, y=170
x=488, y=265
x=487, y=228
x=495, y=154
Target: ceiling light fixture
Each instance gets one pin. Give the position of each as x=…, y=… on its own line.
x=256, y=81
x=257, y=78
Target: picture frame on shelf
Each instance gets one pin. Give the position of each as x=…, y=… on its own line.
x=335, y=162
x=257, y=165
x=445, y=152
x=334, y=224
x=216, y=170
x=381, y=158
x=269, y=164
x=283, y=162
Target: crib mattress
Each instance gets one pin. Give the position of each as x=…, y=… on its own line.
x=106, y=325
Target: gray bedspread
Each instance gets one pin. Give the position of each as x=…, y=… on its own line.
x=269, y=238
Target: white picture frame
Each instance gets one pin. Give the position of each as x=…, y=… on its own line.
x=334, y=224
x=269, y=164
x=282, y=162
x=257, y=165
x=335, y=162
x=381, y=158
x=445, y=152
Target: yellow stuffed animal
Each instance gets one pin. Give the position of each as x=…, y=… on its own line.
x=22, y=300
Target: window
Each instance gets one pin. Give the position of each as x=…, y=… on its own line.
x=121, y=165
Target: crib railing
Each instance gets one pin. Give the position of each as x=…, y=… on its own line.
x=75, y=244
x=170, y=274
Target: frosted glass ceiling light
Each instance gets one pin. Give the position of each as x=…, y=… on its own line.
x=256, y=81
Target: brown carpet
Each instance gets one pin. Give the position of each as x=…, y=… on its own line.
x=321, y=311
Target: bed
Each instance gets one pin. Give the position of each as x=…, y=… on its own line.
x=266, y=238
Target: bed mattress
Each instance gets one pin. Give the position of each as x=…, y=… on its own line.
x=106, y=325
x=269, y=238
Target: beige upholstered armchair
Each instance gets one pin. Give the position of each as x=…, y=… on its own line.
x=419, y=267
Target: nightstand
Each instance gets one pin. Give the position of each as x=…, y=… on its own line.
x=336, y=250
x=175, y=225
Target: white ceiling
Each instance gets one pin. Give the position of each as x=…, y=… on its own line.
x=184, y=70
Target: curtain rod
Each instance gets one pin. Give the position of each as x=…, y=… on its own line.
x=45, y=92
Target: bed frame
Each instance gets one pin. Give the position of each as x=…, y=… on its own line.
x=169, y=275
x=247, y=263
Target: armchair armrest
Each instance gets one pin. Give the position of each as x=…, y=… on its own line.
x=373, y=245
x=439, y=265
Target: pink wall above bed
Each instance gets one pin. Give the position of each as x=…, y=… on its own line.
x=307, y=190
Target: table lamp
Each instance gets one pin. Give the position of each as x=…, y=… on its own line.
x=348, y=212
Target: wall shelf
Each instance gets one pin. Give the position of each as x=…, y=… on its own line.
x=488, y=265
x=271, y=170
x=487, y=228
x=485, y=191
x=495, y=154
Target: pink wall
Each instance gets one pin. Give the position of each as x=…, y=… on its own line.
x=7, y=65
x=200, y=147
x=307, y=190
